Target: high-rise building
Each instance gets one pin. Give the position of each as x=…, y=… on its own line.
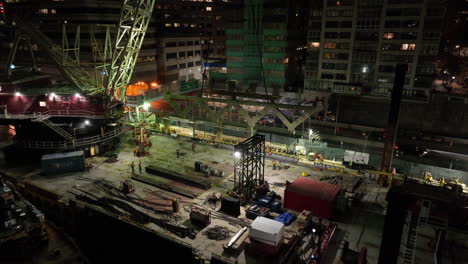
x=179, y=62
x=354, y=45
x=263, y=42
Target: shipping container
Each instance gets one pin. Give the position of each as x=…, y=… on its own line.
x=63, y=162
x=317, y=197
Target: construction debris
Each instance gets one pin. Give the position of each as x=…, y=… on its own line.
x=217, y=232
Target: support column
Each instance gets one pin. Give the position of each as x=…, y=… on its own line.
x=219, y=131
x=193, y=129
x=167, y=124
x=392, y=125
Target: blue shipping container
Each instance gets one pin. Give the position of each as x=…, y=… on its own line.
x=63, y=162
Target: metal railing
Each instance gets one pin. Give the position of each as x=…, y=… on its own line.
x=80, y=142
x=77, y=113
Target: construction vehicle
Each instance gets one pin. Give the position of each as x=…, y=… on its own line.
x=94, y=106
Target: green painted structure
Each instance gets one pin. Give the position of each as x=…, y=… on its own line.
x=256, y=46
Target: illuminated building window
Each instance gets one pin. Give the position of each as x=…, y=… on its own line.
x=168, y=25
x=388, y=35
x=407, y=46
x=330, y=45
x=193, y=25
x=315, y=44
x=328, y=55
x=208, y=8
x=176, y=25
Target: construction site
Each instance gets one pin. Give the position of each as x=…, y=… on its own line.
x=139, y=172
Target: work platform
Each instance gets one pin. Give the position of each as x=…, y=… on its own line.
x=361, y=227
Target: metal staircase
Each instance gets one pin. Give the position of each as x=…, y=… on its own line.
x=27, y=108
x=413, y=222
x=45, y=120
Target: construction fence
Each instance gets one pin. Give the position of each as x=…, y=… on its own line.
x=282, y=148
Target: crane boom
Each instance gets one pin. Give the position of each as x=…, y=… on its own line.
x=71, y=70
x=134, y=20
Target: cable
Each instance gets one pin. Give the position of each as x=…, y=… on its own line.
x=205, y=57
x=260, y=53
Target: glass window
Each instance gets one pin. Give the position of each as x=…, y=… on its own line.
x=171, y=55
x=171, y=67
x=328, y=66
x=328, y=55
x=341, y=77
x=346, y=24
x=331, y=24
x=327, y=76
x=330, y=45
x=388, y=35
x=407, y=46
x=171, y=44
x=345, y=35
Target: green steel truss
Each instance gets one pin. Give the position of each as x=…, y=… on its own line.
x=133, y=24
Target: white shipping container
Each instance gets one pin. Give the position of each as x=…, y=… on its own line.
x=268, y=231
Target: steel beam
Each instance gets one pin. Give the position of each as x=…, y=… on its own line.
x=134, y=19
x=392, y=125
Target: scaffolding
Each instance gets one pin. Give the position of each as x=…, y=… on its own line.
x=249, y=166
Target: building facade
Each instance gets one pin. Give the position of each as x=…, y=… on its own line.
x=263, y=44
x=179, y=62
x=354, y=45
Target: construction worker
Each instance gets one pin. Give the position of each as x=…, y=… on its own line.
x=427, y=177
x=139, y=166
x=132, y=165
x=193, y=146
x=274, y=164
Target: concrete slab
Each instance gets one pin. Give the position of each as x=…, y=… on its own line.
x=362, y=226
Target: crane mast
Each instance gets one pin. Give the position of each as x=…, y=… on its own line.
x=133, y=24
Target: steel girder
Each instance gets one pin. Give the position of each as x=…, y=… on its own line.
x=249, y=166
x=133, y=24
x=215, y=114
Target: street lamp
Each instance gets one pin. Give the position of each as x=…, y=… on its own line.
x=146, y=106
x=237, y=154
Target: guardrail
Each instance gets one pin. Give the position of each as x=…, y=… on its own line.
x=74, y=144
x=67, y=113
